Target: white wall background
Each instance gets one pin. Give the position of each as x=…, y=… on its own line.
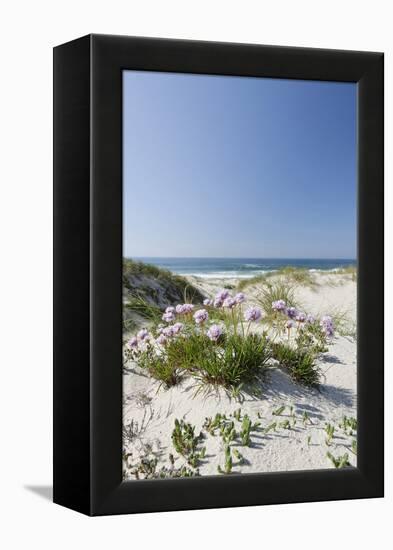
x=29, y=30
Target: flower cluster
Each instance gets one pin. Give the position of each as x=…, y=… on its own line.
x=220, y=297
x=201, y=316
x=181, y=309
x=301, y=318
x=240, y=298
x=229, y=302
x=253, y=314
x=292, y=313
x=184, y=309
x=225, y=300
x=140, y=341
x=214, y=333
x=279, y=305
x=169, y=314
x=327, y=325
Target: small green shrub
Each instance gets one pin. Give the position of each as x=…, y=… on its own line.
x=299, y=363
x=160, y=367
x=279, y=411
x=240, y=360
x=228, y=432
x=340, y=461
x=228, y=462
x=245, y=433
x=213, y=424
x=329, y=429
x=186, y=442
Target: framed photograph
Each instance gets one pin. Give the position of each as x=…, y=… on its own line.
x=218, y=275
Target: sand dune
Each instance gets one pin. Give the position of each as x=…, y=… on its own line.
x=153, y=409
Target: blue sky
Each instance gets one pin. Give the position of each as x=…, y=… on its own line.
x=238, y=167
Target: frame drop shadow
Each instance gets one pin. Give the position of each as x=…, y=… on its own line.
x=44, y=491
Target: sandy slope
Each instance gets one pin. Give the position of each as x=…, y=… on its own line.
x=303, y=446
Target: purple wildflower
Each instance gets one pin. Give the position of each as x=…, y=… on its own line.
x=229, y=302
x=222, y=294
x=184, y=308
x=162, y=340
x=201, y=316
x=168, y=332
x=252, y=314
x=300, y=317
x=170, y=309
x=143, y=334
x=279, y=305
x=292, y=312
x=207, y=302
x=133, y=343
x=177, y=327
x=214, y=332
x=327, y=325
x=169, y=316
x=310, y=319
x=220, y=297
x=290, y=324
x=240, y=298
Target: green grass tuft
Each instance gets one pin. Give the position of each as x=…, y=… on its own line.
x=143, y=308
x=160, y=367
x=177, y=287
x=273, y=291
x=300, y=363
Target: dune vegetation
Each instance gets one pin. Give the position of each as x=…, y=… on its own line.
x=232, y=347
x=147, y=288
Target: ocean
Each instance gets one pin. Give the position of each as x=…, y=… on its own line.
x=241, y=267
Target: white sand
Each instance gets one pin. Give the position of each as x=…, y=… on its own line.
x=303, y=446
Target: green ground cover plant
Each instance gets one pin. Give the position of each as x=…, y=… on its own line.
x=186, y=443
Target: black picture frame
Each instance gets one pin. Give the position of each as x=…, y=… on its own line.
x=88, y=274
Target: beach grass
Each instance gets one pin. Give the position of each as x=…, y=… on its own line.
x=146, y=288
x=245, y=283
x=174, y=284
x=300, y=363
x=344, y=326
x=160, y=367
x=230, y=363
x=143, y=308
x=298, y=276
x=273, y=291
x=292, y=275
x=238, y=361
